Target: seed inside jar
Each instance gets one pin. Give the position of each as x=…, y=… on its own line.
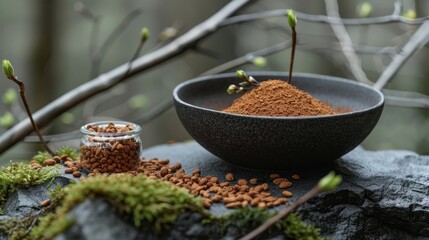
x=110, y=149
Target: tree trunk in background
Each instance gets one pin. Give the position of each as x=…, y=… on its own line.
x=42, y=77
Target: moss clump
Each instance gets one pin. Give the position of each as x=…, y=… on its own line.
x=41, y=156
x=19, y=175
x=247, y=219
x=142, y=199
x=68, y=151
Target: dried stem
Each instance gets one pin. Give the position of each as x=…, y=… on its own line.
x=283, y=213
x=27, y=109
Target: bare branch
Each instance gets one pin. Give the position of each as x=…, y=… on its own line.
x=416, y=41
x=324, y=19
x=107, y=80
x=345, y=42
x=100, y=52
x=397, y=7
x=406, y=99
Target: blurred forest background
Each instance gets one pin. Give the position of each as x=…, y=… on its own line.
x=50, y=43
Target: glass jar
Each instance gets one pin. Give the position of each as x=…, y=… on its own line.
x=110, y=147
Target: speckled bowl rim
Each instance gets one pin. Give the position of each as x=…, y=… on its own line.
x=268, y=73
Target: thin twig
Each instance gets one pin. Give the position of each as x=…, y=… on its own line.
x=406, y=99
x=323, y=19
x=397, y=7
x=87, y=13
x=416, y=41
x=100, y=52
x=345, y=42
x=292, y=55
x=105, y=81
x=27, y=109
x=281, y=214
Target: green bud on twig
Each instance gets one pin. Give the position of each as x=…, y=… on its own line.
x=8, y=69
x=241, y=74
x=232, y=89
x=244, y=84
x=250, y=81
x=144, y=34
x=291, y=18
x=330, y=182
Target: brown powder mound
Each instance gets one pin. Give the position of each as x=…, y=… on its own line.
x=277, y=98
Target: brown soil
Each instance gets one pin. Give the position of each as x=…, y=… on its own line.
x=277, y=98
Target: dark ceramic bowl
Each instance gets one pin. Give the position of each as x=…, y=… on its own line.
x=276, y=143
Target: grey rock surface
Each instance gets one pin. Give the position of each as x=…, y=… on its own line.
x=97, y=220
x=27, y=200
x=384, y=195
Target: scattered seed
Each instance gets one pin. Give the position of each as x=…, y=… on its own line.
x=277, y=181
x=49, y=162
x=283, y=185
x=287, y=193
x=76, y=174
x=45, y=203
x=242, y=182
x=295, y=177
x=274, y=175
x=253, y=181
x=229, y=177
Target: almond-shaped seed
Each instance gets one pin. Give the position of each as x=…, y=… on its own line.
x=277, y=181
x=196, y=172
x=45, y=203
x=229, y=177
x=253, y=181
x=229, y=199
x=207, y=203
x=283, y=185
x=203, y=181
x=242, y=182
x=274, y=175
x=261, y=204
x=76, y=174
x=216, y=198
x=57, y=159
x=68, y=170
x=214, y=180
x=287, y=193
x=49, y=162
x=254, y=202
x=233, y=204
x=296, y=177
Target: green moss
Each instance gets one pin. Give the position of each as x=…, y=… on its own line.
x=247, y=219
x=16, y=227
x=18, y=175
x=41, y=156
x=140, y=198
x=69, y=151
